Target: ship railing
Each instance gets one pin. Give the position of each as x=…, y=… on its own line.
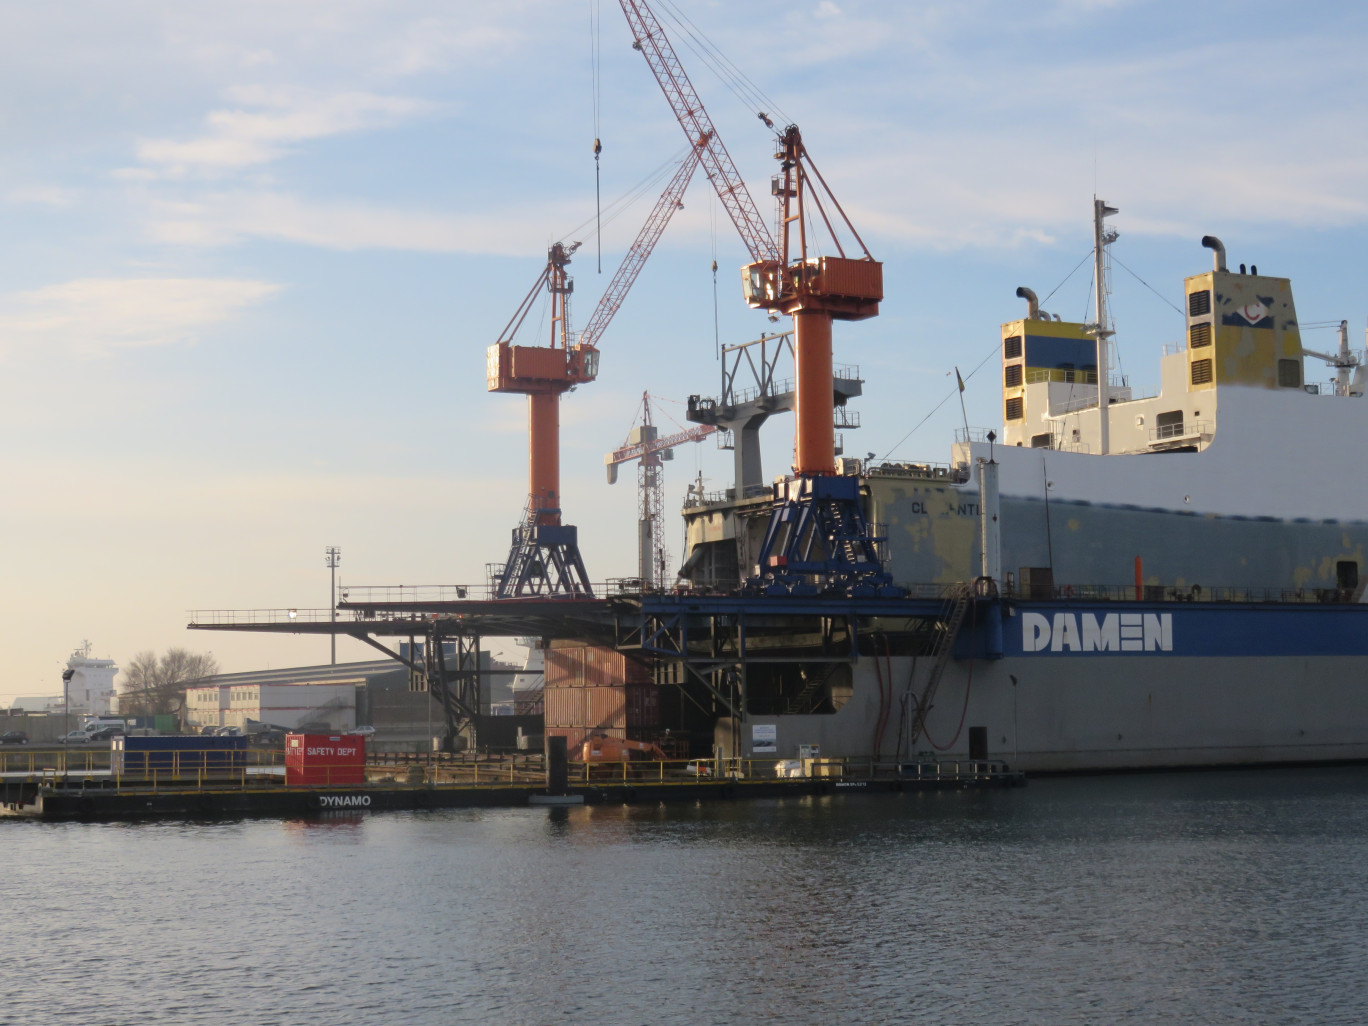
x=1328, y=388
x=1183, y=429
x=724, y=496
x=1118, y=393
x=927, y=471
x=1179, y=593
x=973, y=434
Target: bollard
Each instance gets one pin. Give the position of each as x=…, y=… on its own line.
x=557, y=766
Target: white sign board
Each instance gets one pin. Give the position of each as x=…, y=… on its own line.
x=764, y=738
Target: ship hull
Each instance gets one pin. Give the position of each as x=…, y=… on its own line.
x=1198, y=684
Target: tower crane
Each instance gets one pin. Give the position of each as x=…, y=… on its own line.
x=818, y=534
x=544, y=558
x=646, y=446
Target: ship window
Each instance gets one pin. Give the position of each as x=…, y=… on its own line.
x=1289, y=374
x=1201, y=372
x=1040, y=441
x=1015, y=409
x=1011, y=347
x=1199, y=303
x=1199, y=335
x=1011, y=375
x=1346, y=574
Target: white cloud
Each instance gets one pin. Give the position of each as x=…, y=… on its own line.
x=43, y=195
x=98, y=314
x=229, y=217
x=267, y=121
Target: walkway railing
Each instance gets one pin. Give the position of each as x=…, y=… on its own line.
x=254, y=768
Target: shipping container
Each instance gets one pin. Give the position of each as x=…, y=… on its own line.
x=177, y=753
x=585, y=707
x=574, y=665
x=574, y=736
x=324, y=760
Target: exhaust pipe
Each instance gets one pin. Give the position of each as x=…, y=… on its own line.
x=1215, y=244
x=1032, y=303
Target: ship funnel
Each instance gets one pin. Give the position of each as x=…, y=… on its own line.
x=1032, y=303
x=1213, y=243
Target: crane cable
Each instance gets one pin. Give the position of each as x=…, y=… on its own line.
x=717, y=334
x=594, y=64
x=618, y=206
x=752, y=97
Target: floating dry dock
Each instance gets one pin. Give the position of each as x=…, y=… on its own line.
x=100, y=798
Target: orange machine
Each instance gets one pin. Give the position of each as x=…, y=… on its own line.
x=602, y=748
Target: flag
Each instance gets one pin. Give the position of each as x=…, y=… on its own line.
x=959, y=379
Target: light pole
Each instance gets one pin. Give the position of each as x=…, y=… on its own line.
x=333, y=555
x=67, y=674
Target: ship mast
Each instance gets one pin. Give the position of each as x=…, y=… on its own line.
x=1102, y=237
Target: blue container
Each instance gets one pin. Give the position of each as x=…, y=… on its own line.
x=184, y=753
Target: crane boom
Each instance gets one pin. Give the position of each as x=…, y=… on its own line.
x=646, y=239
x=631, y=452
x=650, y=39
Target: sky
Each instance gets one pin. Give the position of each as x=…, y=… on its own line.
x=253, y=255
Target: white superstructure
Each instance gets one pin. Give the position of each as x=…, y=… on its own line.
x=90, y=689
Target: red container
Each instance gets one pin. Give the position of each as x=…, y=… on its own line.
x=324, y=760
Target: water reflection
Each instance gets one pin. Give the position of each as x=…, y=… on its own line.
x=1235, y=897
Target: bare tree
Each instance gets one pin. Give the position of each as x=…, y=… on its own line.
x=153, y=686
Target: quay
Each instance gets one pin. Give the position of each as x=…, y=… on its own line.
x=87, y=792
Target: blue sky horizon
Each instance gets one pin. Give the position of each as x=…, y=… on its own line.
x=256, y=252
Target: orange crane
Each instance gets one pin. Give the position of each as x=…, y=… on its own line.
x=544, y=558
x=818, y=537
x=651, y=450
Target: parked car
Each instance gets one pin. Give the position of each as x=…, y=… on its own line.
x=366, y=731
x=75, y=737
x=699, y=769
x=105, y=733
x=14, y=737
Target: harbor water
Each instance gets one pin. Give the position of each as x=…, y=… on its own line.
x=1223, y=897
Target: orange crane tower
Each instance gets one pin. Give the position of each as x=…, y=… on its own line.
x=544, y=558
x=818, y=537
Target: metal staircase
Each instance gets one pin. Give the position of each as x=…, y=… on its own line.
x=806, y=700
x=957, y=607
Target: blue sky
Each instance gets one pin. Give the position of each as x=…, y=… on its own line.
x=254, y=254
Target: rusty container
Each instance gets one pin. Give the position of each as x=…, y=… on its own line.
x=857, y=279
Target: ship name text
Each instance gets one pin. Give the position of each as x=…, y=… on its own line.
x=1085, y=632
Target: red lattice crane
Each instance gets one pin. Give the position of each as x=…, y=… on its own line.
x=544, y=558
x=645, y=445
